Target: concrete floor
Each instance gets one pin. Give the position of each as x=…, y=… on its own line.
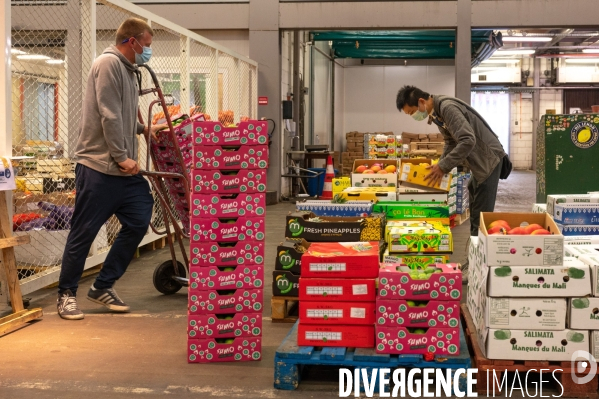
x=143, y=353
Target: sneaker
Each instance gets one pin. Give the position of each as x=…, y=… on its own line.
x=67, y=306
x=108, y=298
x=465, y=273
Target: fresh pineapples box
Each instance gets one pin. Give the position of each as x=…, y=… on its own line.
x=583, y=313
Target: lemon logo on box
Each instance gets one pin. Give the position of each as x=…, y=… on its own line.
x=584, y=135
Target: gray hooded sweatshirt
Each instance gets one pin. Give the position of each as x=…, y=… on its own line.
x=109, y=128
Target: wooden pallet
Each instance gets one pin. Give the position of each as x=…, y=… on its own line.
x=562, y=369
x=284, y=309
x=460, y=218
x=290, y=360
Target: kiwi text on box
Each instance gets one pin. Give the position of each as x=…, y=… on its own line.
x=246, y=133
x=399, y=340
x=241, y=349
x=224, y=326
x=214, y=253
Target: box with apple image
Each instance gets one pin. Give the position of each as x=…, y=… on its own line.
x=418, y=341
x=416, y=170
x=335, y=335
x=225, y=301
x=336, y=313
x=228, y=182
x=583, y=313
x=555, y=201
x=211, y=350
x=420, y=239
x=337, y=290
x=289, y=255
x=226, y=253
x=341, y=260
x=571, y=279
x=373, y=194
x=578, y=230
x=230, y=157
x=414, y=261
x=374, y=173
x=226, y=277
x=520, y=239
x=223, y=229
x=231, y=205
x=285, y=283
x=245, y=133
x=423, y=314
x=314, y=228
x=419, y=211
x=327, y=208
x=224, y=326
x=439, y=282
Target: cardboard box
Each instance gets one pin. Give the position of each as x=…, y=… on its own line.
x=226, y=278
x=539, y=208
x=341, y=183
x=581, y=240
x=226, y=253
x=533, y=344
x=374, y=179
x=341, y=260
x=415, y=170
x=334, y=229
x=421, y=197
x=241, y=349
x=221, y=158
x=572, y=279
x=380, y=146
x=226, y=206
x=420, y=239
x=396, y=282
x=224, y=326
x=349, y=313
x=414, y=224
x=593, y=262
x=525, y=313
x=405, y=187
x=232, y=182
x=58, y=166
x=577, y=214
x=398, y=340
x=576, y=251
x=414, y=261
x=594, y=343
x=369, y=194
x=578, y=230
x=402, y=211
x=337, y=290
x=326, y=208
x=336, y=335
x=285, y=283
x=521, y=250
x=214, y=229
x=404, y=313
x=289, y=255
x=561, y=200
x=239, y=301
x=583, y=313
x=214, y=133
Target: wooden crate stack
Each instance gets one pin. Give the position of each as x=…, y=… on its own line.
x=353, y=150
x=423, y=142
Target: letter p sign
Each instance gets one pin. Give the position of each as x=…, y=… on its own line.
x=583, y=362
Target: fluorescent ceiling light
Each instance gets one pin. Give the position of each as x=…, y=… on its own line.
x=32, y=57
x=514, y=52
x=501, y=61
x=591, y=50
x=582, y=60
x=525, y=39
x=16, y=51
x=54, y=61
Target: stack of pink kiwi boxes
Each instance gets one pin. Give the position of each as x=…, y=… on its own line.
x=228, y=203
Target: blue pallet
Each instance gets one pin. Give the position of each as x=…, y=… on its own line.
x=291, y=358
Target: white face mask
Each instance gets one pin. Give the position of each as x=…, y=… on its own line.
x=420, y=115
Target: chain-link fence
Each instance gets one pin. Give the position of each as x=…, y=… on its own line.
x=54, y=43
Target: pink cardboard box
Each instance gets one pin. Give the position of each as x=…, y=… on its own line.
x=240, y=229
x=233, y=182
x=222, y=206
x=242, y=157
x=396, y=282
x=399, y=341
x=213, y=133
x=224, y=326
x=433, y=314
x=241, y=301
x=226, y=278
x=241, y=349
x=227, y=253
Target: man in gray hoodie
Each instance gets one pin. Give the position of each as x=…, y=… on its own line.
x=107, y=180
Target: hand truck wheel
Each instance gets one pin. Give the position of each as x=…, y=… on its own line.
x=163, y=277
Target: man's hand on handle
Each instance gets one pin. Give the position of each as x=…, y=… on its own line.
x=129, y=166
x=435, y=175
x=155, y=129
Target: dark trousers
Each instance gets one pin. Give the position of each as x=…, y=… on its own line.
x=99, y=196
x=482, y=198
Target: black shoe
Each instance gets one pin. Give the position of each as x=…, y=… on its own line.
x=66, y=305
x=108, y=298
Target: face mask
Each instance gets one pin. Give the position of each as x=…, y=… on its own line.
x=144, y=57
x=420, y=115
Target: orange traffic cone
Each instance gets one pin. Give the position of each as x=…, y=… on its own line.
x=327, y=190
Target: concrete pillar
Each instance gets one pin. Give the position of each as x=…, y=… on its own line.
x=463, y=50
x=265, y=49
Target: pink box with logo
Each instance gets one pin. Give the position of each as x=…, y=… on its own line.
x=233, y=205
x=238, y=301
x=241, y=349
x=246, y=133
x=396, y=282
x=242, y=157
x=228, y=182
x=400, y=341
x=226, y=278
x=240, y=229
x=410, y=314
x=224, y=326
x=226, y=253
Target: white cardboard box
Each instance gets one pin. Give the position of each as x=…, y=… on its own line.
x=581, y=240
x=539, y=208
x=545, y=314
x=554, y=199
x=521, y=250
x=593, y=262
x=583, y=313
x=422, y=197
x=595, y=344
x=576, y=251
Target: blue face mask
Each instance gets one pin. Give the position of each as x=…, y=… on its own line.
x=144, y=57
x=420, y=115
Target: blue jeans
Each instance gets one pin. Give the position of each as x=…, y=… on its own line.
x=99, y=196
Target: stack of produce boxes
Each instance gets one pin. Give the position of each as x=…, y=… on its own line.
x=227, y=242
x=575, y=215
x=418, y=311
x=518, y=290
x=458, y=199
